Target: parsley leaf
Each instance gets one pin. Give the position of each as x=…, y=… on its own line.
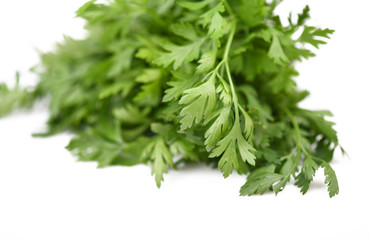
x=178, y=54
x=330, y=180
x=201, y=101
x=160, y=157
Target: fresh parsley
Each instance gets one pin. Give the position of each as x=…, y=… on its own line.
x=168, y=82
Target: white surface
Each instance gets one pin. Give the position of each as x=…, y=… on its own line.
x=45, y=194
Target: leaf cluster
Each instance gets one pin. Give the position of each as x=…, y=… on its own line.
x=168, y=82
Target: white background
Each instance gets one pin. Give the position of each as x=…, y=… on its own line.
x=46, y=195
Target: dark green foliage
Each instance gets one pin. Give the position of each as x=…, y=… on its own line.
x=209, y=81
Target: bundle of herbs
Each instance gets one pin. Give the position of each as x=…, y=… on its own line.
x=170, y=82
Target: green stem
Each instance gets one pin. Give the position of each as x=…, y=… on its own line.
x=298, y=133
x=296, y=127
x=299, y=146
x=229, y=42
x=235, y=97
x=228, y=8
x=225, y=60
x=295, y=162
x=231, y=36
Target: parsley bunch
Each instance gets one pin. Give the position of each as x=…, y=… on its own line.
x=169, y=82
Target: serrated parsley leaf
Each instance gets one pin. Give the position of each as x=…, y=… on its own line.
x=200, y=102
x=102, y=144
x=302, y=182
x=330, y=180
x=302, y=17
x=305, y=177
x=185, y=30
x=160, y=157
x=217, y=24
x=207, y=61
x=260, y=183
x=276, y=51
x=179, y=83
x=318, y=122
x=218, y=128
x=310, y=34
x=309, y=168
x=228, y=146
x=178, y=54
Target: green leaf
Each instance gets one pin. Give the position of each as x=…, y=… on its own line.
x=193, y=5
x=217, y=24
x=280, y=185
x=318, y=122
x=149, y=75
x=185, y=148
x=218, y=128
x=11, y=99
x=121, y=62
x=179, y=83
x=260, y=183
x=276, y=51
x=254, y=102
x=309, y=168
x=160, y=157
x=84, y=8
x=262, y=169
x=287, y=170
x=147, y=54
x=131, y=114
x=178, y=54
x=228, y=146
x=305, y=15
x=252, y=12
x=330, y=179
x=207, y=61
x=200, y=102
x=302, y=183
x=117, y=88
x=150, y=94
x=310, y=34
x=185, y=30
x=287, y=167
x=102, y=144
x=283, y=81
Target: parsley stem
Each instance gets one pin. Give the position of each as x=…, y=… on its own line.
x=229, y=41
x=296, y=127
x=235, y=97
x=299, y=146
x=225, y=60
x=228, y=8
x=295, y=162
